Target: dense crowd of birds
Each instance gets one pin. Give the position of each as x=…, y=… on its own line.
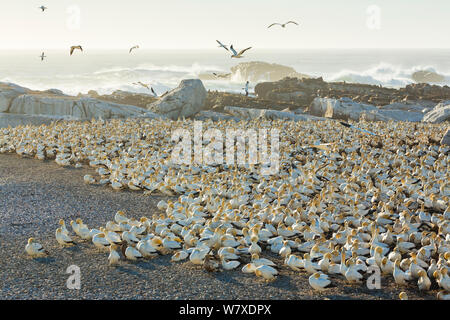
x=361, y=201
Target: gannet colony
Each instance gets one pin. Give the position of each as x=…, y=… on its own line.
x=353, y=203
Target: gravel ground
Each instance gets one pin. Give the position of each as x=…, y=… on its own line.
x=34, y=195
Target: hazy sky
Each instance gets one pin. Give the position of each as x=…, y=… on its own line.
x=198, y=23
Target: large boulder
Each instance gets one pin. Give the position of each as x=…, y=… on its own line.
x=251, y=114
x=20, y=105
x=344, y=108
x=439, y=113
x=185, y=101
x=8, y=92
x=84, y=108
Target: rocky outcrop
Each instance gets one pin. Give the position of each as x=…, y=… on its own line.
x=124, y=97
x=20, y=105
x=388, y=115
x=252, y=114
x=427, y=76
x=303, y=91
x=13, y=120
x=185, y=101
x=262, y=71
x=214, y=116
x=344, y=109
x=446, y=138
x=439, y=114
x=8, y=92
x=218, y=100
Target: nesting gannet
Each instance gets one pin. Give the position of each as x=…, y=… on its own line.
x=230, y=265
x=130, y=238
x=89, y=179
x=442, y=295
x=63, y=238
x=198, y=255
x=283, y=25
x=35, y=249
x=236, y=54
x=179, y=256
x=319, y=281
x=249, y=268
x=403, y=296
x=73, y=48
x=267, y=272
x=120, y=217
x=100, y=241
x=114, y=256
x=42, y=56
x=424, y=282
x=111, y=236
x=132, y=48
x=132, y=254
x=63, y=226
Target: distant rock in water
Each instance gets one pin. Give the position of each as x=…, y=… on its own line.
x=427, y=76
x=256, y=71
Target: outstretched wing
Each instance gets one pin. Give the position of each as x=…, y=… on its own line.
x=222, y=45
x=242, y=51
x=292, y=22
x=71, y=50
x=232, y=50
x=273, y=24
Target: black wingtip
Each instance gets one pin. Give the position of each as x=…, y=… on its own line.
x=344, y=124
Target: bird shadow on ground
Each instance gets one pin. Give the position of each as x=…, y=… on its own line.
x=132, y=272
x=226, y=277
x=144, y=265
x=45, y=260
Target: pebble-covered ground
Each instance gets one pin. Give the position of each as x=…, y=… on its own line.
x=34, y=195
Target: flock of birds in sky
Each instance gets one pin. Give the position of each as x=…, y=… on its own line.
x=235, y=54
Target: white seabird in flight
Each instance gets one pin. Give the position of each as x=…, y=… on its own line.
x=221, y=45
x=43, y=8
x=282, y=24
x=73, y=48
x=139, y=83
x=42, y=56
x=132, y=48
x=240, y=54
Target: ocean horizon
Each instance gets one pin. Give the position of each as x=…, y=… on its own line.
x=108, y=70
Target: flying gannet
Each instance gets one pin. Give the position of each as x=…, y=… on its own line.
x=42, y=56
x=43, y=8
x=139, y=83
x=221, y=45
x=282, y=24
x=73, y=48
x=240, y=54
x=132, y=48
